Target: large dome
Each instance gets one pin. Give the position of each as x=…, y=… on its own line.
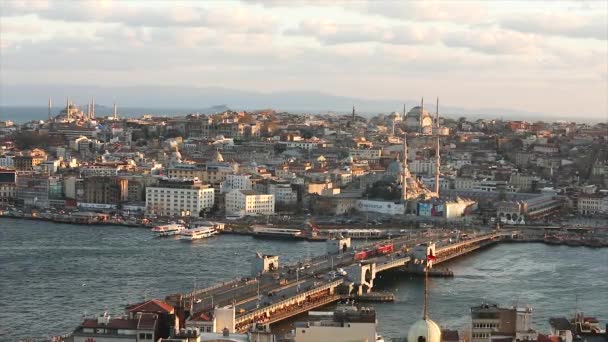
x=424, y=330
x=416, y=111
x=394, y=168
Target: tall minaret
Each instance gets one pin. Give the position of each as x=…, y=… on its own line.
x=92, y=108
x=67, y=108
x=88, y=110
x=115, y=117
x=437, y=157
x=405, y=170
x=421, y=112
x=353, y=113
x=50, y=105
x=404, y=112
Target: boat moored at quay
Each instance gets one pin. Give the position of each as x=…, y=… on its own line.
x=168, y=229
x=197, y=233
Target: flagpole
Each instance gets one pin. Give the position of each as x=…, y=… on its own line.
x=426, y=292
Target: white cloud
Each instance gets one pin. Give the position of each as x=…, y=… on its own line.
x=330, y=32
x=494, y=41
x=559, y=24
x=431, y=10
x=129, y=14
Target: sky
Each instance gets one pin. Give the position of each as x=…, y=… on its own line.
x=546, y=57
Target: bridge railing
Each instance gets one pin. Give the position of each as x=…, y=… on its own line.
x=252, y=314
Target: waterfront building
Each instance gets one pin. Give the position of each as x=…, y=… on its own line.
x=37, y=190
x=104, y=190
x=248, y=202
x=490, y=322
x=175, y=197
x=8, y=179
x=142, y=327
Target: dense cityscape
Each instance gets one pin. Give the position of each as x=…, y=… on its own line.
x=303, y=171
x=397, y=180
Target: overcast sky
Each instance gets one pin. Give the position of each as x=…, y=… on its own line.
x=549, y=57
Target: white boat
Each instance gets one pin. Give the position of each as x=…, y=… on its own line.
x=168, y=229
x=197, y=233
x=276, y=233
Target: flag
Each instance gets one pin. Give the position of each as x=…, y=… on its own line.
x=430, y=257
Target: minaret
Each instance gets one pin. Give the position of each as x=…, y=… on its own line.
x=115, y=117
x=405, y=172
x=50, y=105
x=353, y=113
x=92, y=108
x=404, y=112
x=421, y=112
x=437, y=157
x=67, y=108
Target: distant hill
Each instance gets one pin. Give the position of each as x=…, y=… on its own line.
x=205, y=99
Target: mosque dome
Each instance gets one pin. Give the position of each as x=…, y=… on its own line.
x=416, y=112
x=424, y=330
x=394, y=168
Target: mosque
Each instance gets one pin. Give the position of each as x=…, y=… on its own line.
x=419, y=120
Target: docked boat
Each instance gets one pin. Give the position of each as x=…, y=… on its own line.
x=198, y=233
x=168, y=229
x=276, y=233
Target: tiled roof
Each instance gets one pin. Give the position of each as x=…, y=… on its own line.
x=153, y=305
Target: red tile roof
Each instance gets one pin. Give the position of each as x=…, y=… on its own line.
x=201, y=316
x=153, y=305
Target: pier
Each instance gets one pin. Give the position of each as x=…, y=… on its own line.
x=280, y=292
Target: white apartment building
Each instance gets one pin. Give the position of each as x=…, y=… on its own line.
x=179, y=198
x=592, y=204
x=248, y=202
x=283, y=193
x=422, y=167
x=236, y=182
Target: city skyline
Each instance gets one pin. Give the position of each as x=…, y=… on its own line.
x=538, y=57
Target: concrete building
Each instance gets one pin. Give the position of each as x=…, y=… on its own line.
x=172, y=197
x=248, y=202
x=591, y=204
x=283, y=193
x=236, y=182
x=343, y=325
x=8, y=186
x=141, y=328
x=37, y=190
x=104, y=190
x=490, y=322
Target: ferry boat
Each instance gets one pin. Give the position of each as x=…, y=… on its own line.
x=276, y=233
x=168, y=229
x=197, y=233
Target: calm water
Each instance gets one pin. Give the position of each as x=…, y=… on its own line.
x=52, y=274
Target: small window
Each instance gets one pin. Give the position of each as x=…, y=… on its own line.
x=148, y=336
x=142, y=336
